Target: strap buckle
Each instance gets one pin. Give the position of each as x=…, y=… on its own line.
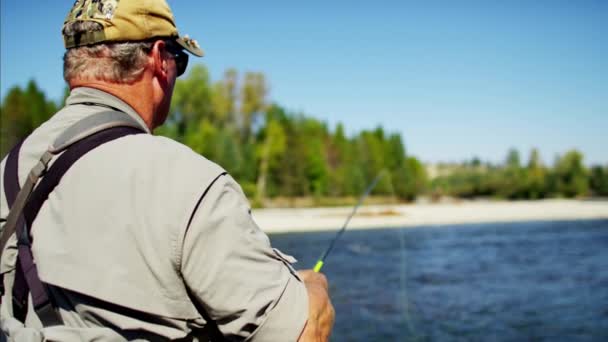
x=23, y=237
x=48, y=315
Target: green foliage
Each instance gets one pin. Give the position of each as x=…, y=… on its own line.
x=272, y=152
x=314, y=158
x=513, y=161
x=224, y=97
x=253, y=96
x=570, y=176
x=271, y=147
x=468, y=182
x=567, y=178
x=599, y=180
x=411, y=179
x=191, y=102
x=535, y=181
x=21, y=112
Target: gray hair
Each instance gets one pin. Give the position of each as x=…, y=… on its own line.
x=110, y=62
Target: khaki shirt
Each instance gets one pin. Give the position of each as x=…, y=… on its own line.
x=139, y=242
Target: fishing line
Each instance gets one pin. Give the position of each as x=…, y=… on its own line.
x=402, y=280
x=403, y=273
x=369, y=189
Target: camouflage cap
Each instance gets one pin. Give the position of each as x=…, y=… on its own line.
x=126, y=20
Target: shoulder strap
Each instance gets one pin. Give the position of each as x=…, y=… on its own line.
x=91, y=125
x=40, y=297
x=64, y=162
x=81, y=129
x=80, y=138
x=11, y=189
x=11, y=174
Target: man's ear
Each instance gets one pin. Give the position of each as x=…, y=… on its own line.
x=160, y=66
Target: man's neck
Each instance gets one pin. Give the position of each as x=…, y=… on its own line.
x=135, y=95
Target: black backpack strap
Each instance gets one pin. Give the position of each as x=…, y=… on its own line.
x=11, y=189
x=81, y=129
x=11, y=174
x=64, y=162
x=45, y=308
x=88, y=133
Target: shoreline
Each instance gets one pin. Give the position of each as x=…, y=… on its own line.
x=293, y=220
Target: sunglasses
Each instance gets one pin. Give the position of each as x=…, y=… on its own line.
x=181, y=57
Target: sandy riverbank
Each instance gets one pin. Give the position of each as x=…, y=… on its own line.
x=382, y=216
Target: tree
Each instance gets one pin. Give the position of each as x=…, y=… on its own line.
x=292, y=178
x=409, y=179
x=371, y=148
x=513, y=177
x=535, y=177
x=14, y=122
x=512, y=160
x=253, y=97
x=191, y=102
x=272, y=147
x=570, y=175
x=475, y=162
x=312, y=140
x=599, y=180
x=21, y=112
x=224, y=98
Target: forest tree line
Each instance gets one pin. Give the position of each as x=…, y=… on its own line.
x=276, y=153
x=516, y=179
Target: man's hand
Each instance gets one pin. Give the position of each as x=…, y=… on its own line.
x=321, y=313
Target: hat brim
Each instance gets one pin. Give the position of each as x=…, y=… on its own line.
x=190, y=46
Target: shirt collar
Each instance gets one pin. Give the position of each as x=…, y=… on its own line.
x=92, y=95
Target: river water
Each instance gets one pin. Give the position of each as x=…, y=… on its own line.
x=533, y=281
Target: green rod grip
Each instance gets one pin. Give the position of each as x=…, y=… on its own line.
x=318, y=266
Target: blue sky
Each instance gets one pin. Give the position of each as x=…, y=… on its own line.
x=457, y=79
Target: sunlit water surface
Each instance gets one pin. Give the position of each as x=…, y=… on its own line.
x=533, y=281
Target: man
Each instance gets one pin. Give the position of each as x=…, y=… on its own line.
x=142, y=238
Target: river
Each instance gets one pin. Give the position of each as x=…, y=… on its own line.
x=533, y=281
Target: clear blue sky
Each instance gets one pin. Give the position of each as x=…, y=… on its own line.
x=457, y=78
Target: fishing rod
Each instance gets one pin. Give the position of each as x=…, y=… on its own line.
x=369, y=189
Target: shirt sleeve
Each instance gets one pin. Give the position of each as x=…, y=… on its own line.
x=249, y=289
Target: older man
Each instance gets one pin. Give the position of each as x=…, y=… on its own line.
x=142, y=238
